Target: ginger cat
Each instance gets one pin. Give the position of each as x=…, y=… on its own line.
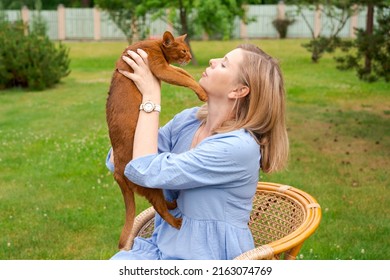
x=122, y=111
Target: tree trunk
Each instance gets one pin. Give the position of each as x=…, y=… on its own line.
x=134, y=29
x=369, y=31
x=184, y=30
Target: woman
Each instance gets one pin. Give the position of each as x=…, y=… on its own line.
x=208, y=158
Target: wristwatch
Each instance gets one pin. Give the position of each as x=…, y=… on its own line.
x=149, y=107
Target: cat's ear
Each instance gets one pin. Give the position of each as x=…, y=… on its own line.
x=167, y=38
x=182, y=37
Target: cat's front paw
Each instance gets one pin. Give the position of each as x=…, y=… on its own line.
x=171, y=204
x=201, y=94
x=177, y=223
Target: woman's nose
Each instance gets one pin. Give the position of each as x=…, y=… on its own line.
x=213, y=62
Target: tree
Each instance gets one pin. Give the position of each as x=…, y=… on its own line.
x=369, y=53
x=337, y=13
x=125, y=14
x=215, y=17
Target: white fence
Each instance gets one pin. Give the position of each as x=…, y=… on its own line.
x=94, y=24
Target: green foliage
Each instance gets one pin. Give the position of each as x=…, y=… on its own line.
x=216, y=18
x=320, y=45
x=30, y=60
x=125, y=14
x=336, y=11
x=369, y=54
x=193, y=17
x=281, y=25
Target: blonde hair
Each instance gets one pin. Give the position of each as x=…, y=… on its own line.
x=262, y=111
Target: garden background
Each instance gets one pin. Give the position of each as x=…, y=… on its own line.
x=59, y=201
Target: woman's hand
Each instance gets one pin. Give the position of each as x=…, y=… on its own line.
x=146, y=82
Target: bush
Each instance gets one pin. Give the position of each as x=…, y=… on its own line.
x=369, y=54
x=30, y=60
x=281, y=25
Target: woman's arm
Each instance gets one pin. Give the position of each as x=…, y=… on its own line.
x=221, y=160
x=146, y=133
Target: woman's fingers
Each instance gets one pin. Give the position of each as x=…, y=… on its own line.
x=143, y=54
x=138, y=62
x=126, y=74
x=140, y=57
x=129, y=61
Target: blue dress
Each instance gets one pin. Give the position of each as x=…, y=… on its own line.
x=214, y=184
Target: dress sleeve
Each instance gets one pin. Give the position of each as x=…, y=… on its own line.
x=109, y=164
x=164, y=138
x=218, y=160
x=164, y=144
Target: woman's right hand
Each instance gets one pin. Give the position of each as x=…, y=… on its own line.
x=146, y=82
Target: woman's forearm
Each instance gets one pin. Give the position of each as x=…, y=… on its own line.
x=146, y=132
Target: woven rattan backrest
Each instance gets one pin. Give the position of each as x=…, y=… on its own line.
x=274, y=216
x=147, y=229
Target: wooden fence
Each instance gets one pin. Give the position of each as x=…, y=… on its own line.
x=95, y=24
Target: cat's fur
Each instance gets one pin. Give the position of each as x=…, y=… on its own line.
x=122, y=111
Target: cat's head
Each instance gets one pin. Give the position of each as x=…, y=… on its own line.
x=175, y=49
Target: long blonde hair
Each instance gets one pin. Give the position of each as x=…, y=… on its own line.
x=262, y=111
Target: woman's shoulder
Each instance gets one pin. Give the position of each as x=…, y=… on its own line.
x=185, y=117
x=237, y=137
x=189, y=113
x=239, y=143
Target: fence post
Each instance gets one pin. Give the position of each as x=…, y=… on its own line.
x=96, y=24
x=353, y=22
x=281, y=10
x=61, y=22
x=25, y=15
x=317, y=21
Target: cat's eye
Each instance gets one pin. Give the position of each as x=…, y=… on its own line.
x=184, y=51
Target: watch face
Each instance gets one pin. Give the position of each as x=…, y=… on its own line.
x=148, y=107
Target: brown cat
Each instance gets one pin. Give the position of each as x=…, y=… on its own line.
x=122, y=111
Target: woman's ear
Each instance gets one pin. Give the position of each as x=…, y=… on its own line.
x=239, y=92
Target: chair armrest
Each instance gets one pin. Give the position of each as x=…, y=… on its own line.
x=264, y=252
x=143, y=226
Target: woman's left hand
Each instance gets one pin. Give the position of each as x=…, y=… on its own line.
x=146, y=82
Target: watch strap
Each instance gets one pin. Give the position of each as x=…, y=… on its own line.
x=149, y=107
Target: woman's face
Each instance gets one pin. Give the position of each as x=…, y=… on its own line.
x=221, y=77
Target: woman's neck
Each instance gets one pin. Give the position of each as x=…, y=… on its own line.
x=218, y=113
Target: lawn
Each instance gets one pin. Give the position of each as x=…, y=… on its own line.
x=58, y=200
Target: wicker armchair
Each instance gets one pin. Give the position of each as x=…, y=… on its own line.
x=283, y=217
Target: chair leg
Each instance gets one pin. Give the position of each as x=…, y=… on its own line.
x=293, y=252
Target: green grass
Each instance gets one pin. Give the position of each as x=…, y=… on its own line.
x=58, y=201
